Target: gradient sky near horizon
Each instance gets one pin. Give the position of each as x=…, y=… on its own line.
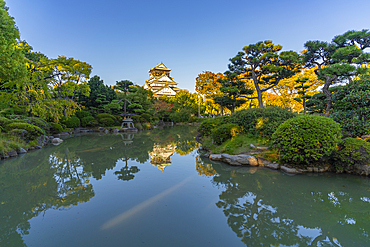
x=123, y=39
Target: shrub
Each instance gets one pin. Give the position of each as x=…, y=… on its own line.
x=106, y=122
x=86, y=120
x=350, y=124
x=135, y=118
x=206, y=127
x=307, y=139
x=225, y=132
x=32, y=131
x=38, y=122
x=72, y=122
x=82, y=114
x=105, y=115
x=351, y=151
x=93, y=123
x=261, y=122
x=56, y=128
x=146, y=116
x=21, y=133
x=3, y=122
x=146, y=125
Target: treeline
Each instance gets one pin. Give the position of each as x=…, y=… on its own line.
x=262, y=74
x=56, y=89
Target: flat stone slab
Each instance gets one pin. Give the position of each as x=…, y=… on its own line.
x=12, y=154
x=290, y=170
x=274, y=166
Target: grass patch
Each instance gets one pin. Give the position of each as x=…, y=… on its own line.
x=236, y=145
x=9, y=143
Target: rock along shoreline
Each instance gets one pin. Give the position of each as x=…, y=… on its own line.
x=249, y=160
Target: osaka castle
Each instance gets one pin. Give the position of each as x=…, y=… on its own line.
x=160, y=82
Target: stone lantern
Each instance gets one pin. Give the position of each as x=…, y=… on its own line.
x=127, y=123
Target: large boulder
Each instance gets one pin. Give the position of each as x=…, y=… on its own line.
x=56, y=141
x=235, y=160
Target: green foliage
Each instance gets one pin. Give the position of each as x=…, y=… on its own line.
x=56, y=128
x=182, y=115
x=261, y=122
x=93, y=123
x=105, y=115
x=86, y=121
x=352, y=107
x=32, y=131
x=206, y=127
x=146, y=116
x=38, y=122
x=12, y=62
x=225, y=132
x=262, y=64
x=107, y=121
x=351, y=125
x=73, y=122
x=232, y=87
x=338, y=60
x=306, y=140
x=351, y=151
x=3, y=122
x=81, y=114
x=98, y=93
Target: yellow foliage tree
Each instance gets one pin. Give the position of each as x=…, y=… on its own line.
x=284, y=93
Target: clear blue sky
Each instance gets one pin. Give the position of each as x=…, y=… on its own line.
x=123, y=39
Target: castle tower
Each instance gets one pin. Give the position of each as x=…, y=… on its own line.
x=160, y=82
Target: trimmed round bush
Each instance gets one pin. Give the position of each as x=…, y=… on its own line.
x=225, y=132
x=56, y=128
x=261, y=122
x=86, y=120
x=32, y=131
x=306, y=140
x=93, y=123
x=73, y=122
x=351, y=151
x=107, y=122
x=105, y=115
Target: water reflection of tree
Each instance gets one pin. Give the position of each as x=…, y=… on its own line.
x=32, y=184
x=127, y=173
x=204, y=168
x=266, y=208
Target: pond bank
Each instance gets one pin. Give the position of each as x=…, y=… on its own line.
x=249, y=160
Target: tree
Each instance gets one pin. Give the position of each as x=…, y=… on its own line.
x=339, y=60
x=123, y=87
x=351, y=107
x=12, y=62
x=68, y=78
x=98, y=92
x=262, y=64
x=207, y=83
x=303, y=89
x=141, y=99
x=232, y=87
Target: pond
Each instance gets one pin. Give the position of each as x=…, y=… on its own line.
x=153, y=188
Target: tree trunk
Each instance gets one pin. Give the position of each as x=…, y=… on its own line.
x=329, y=99
x=259, y=92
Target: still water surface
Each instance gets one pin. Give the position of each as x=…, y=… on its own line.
x=154, y=189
